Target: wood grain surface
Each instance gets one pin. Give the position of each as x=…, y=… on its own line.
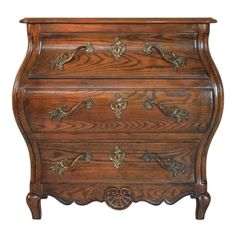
x=134, y=63
x=85, y=193
x=133, y=168
x=135, y=118
x=136, y=76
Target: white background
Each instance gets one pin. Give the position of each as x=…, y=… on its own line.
x=96, y=218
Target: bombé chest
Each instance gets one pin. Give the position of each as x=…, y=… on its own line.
x=118, y=110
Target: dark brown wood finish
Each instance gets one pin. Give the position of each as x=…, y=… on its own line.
x=135, y=63
x=199, y=104
x=118, y=110
x=133, y=167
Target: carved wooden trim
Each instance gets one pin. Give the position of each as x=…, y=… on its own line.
x=118, y=198
x=84, y=194
x=201, y=73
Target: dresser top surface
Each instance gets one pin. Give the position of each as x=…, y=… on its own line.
x=117, y=20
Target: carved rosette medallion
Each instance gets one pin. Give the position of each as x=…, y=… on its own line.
x=118, y=198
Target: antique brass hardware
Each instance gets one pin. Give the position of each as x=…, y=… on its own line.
x=66, y=164
x=118, y=106
x=169, y=110
x=65, y=58
x=59, y=113
x=176, y=61
x=169, y=163
x=117, y=156
x=117, y=48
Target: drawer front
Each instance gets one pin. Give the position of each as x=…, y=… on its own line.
x=155, y=110
x=120, y=55
x=118, y=162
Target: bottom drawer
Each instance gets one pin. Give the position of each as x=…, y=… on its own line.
x=118, y=162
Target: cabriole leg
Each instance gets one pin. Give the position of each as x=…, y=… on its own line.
x=34, y=204
x=202, y=203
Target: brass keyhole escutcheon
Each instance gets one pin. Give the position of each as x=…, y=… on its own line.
x=117, y=49
x=117, y=156
x=118, y=106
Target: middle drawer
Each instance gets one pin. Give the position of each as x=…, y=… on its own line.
x=156, y=110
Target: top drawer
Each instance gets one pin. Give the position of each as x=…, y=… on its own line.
x=118, y=55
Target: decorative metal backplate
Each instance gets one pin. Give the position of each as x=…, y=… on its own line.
x=169, y=110
x=59, y=113
x=118, y=198
x=66, y=164
x=117, y=156
x=169, y=163
x=176, y=61
x=65, y=58
x=118, y=106
x=117, y=48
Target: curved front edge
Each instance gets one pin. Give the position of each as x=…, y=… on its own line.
x=218, y=99
x=120, y=196
x=18, y=93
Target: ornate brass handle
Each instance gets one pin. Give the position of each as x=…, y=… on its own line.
x=117, y=49
x=65, y=58
x=118, y=106
x=66, y=164
x=169, y=163
x=59, y=113
x=169, y=110
x=117, y=156
x=176, y=61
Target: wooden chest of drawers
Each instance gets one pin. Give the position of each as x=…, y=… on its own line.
x=118, y=110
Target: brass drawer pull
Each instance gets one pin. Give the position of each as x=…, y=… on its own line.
x=117, y=48
x=117, y=156
x=66, y=164
x=169, y=110
x=59, y=113
x=118, y=106
x=65, y=58
x=169, y=163
x=170, y=57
